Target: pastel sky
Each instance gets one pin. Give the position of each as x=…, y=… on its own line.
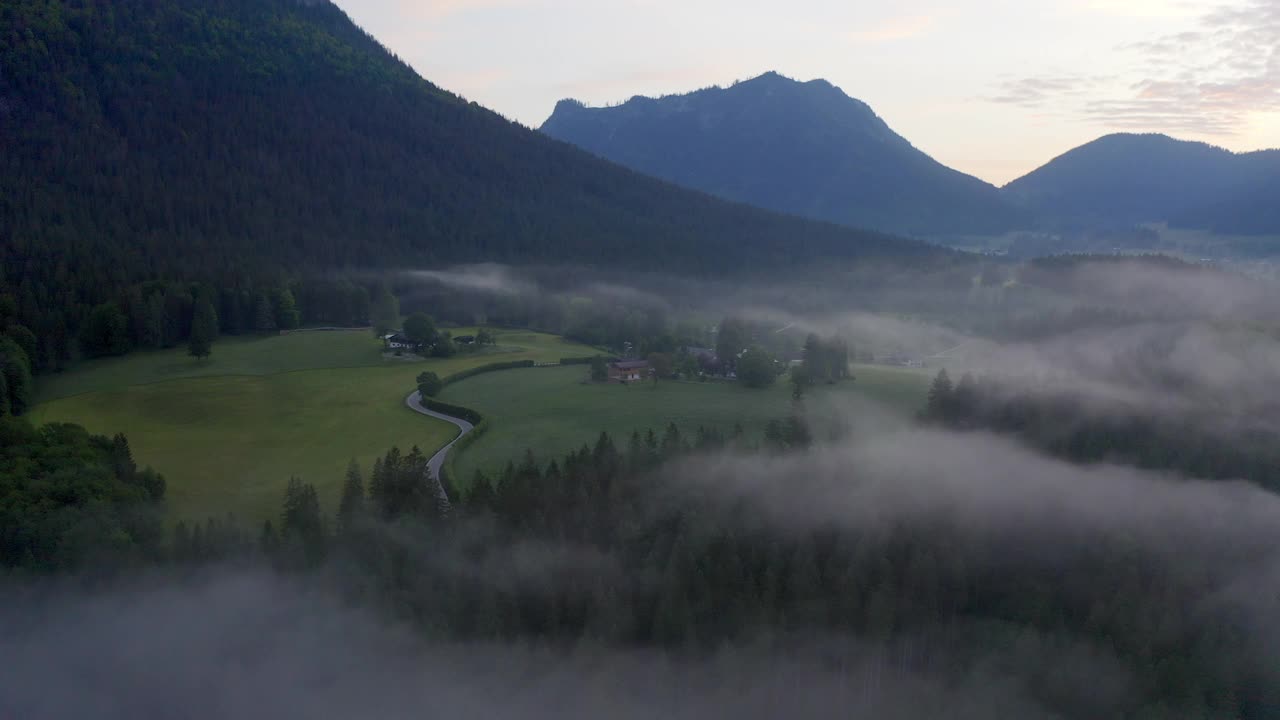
x=994, y=88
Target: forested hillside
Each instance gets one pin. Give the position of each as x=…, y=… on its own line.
x=797, y=147
x=1250, y=210
x=1122, y=179
x=233, y=141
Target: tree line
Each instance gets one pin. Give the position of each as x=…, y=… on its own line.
x=70, y=500
x=1062, y=423
x=156, y=315
x=618, y=544
x=651, y=563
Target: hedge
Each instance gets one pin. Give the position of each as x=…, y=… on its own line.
x=481, y=369
x=471, y=416
x=585, y=360
x=466, y=413
x=457, y=411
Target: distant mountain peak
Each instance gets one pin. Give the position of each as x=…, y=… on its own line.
x=769, y=77
x=801, y=147
x=569, y=105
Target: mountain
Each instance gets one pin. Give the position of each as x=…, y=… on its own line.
x=1127, y=179
x=1250, y=208
x=219, y=140
x=804, y=148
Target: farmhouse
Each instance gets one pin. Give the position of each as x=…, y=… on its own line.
x=628, y=370
x=396, y=341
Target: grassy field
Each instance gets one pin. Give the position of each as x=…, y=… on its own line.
x=552, y=410
x=273, y=354
x=229, y=432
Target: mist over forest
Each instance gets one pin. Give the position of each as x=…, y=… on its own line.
x=957, y=561
x=326, y=392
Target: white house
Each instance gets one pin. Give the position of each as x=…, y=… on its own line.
x=396, y=341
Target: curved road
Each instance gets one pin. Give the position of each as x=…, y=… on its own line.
x=414, y=402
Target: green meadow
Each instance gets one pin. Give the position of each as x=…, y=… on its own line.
x=554, y=410
x=228, y=432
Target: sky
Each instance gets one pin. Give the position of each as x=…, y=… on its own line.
x=994, y=88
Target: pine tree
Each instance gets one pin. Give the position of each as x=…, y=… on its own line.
x=204, y=329
x=480, y=498
x=378, y=486
x=153, y=319
x=105, y=332
x=939, y=405
x=386, y=311
x=964, y=399
x=672, y=443
x=302, y=527
x=16, y=369
x=268, y=541
x=264, y=318
x=301, y=510
x=351, y=506
x=286, y=309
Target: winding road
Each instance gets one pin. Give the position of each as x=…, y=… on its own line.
x=414, y=402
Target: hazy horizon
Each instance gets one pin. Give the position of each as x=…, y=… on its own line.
x=1010, y=96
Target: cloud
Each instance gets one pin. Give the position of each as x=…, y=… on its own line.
x=1035, y=92
x=1206, y=80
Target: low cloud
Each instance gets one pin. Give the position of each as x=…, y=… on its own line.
x=487, y=278
x=1013, y=510
x=253, y=644
x=256, y=645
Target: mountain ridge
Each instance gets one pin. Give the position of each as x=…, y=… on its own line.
x=240, y=143
x=300, y=49
x=842, y=162
x=1129, y=178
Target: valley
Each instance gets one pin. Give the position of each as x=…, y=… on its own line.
x=229, y=432
x=744, y=404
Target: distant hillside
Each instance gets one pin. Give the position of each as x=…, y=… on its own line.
x=803, y=148
x=1252, y=207
x=1126, y=179
x=222, y=139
